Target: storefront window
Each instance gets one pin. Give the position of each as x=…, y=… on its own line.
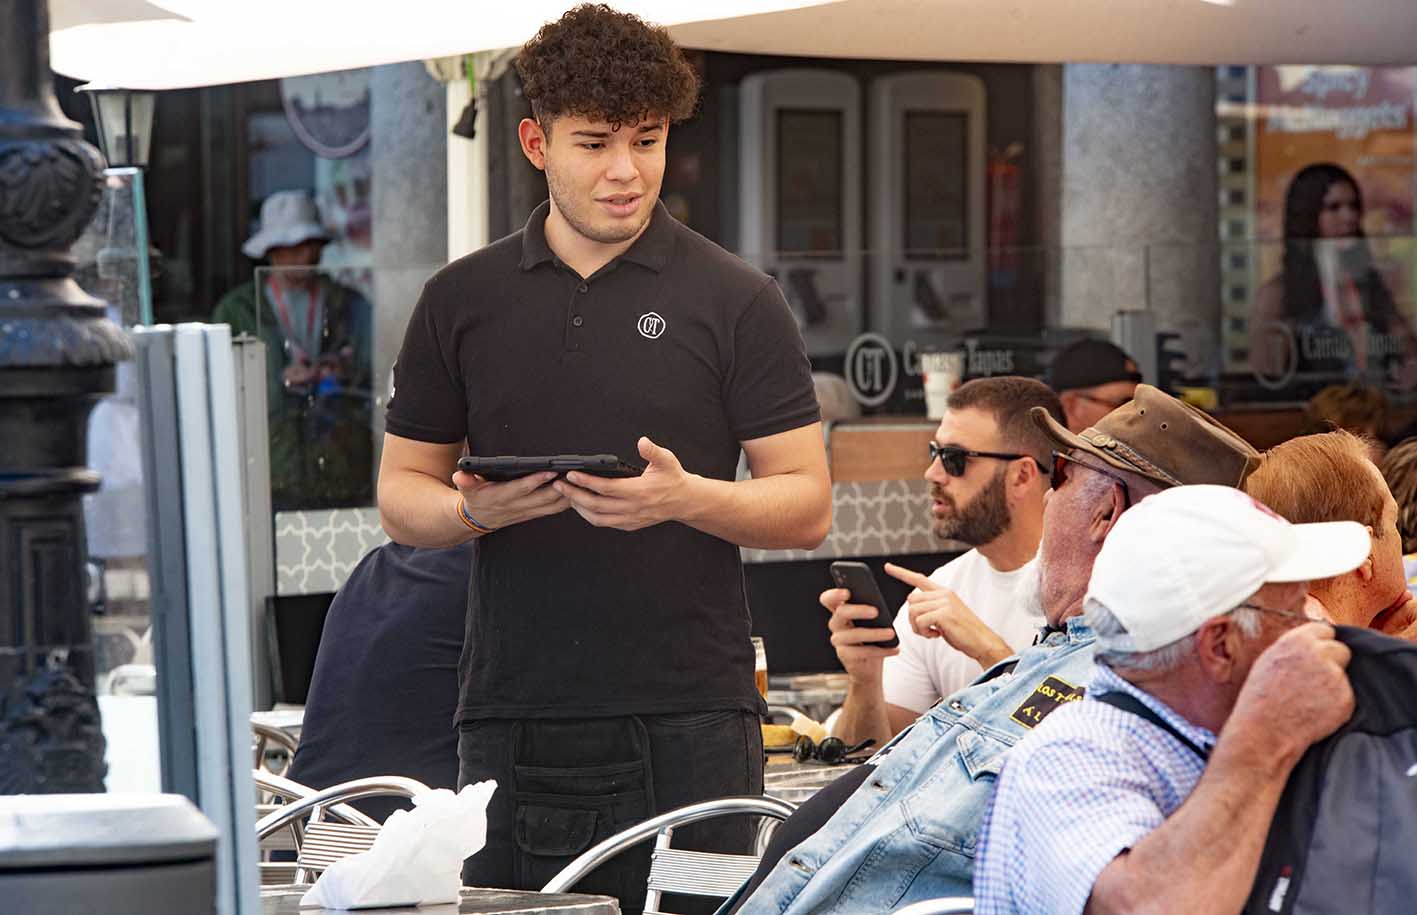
x=1318, y=181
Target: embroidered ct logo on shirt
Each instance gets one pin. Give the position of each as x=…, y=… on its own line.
x=651, y=325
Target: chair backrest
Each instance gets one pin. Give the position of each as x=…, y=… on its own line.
x=951, y=905
x=326, y=842
x=265, y=738
x=675, y=870
x=695, y=873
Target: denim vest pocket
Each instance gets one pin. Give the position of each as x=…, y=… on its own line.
x=982, y=756
x=947, y=810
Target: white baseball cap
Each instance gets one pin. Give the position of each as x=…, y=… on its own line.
x=1191, y=553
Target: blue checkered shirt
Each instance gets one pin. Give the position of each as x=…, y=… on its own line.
x=1085, y=786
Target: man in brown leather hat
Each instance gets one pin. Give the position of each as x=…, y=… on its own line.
x=920, y=807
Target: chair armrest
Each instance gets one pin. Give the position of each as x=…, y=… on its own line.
x=634, y=835
x=271, y=783
x=353, y=790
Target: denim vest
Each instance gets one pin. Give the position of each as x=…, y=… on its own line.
x=909, y=832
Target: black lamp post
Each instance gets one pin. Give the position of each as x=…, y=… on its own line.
x=57, y=353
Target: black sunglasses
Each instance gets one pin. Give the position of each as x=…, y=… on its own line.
x=1059, y=476
x=831, y=750
x=954, y=458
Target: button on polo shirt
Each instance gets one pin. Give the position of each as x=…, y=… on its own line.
x=677, y=340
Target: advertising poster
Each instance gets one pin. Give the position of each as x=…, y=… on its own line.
x=1361, y=120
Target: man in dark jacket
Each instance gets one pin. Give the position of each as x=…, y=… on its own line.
x=385, y=685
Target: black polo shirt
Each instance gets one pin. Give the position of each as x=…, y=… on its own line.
x=676, y=339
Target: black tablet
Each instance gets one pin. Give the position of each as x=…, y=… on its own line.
x=498, y=469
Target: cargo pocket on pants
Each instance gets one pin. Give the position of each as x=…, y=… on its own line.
x=562, y=810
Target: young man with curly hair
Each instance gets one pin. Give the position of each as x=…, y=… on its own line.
x=606, y=671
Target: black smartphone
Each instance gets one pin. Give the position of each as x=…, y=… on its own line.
x=856, y=577
x=501, y=469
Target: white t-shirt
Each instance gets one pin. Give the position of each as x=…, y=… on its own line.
x=926, y=670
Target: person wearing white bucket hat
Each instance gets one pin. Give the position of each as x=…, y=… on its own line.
x=318, y=335
x=288, y=219
x=1156, y=790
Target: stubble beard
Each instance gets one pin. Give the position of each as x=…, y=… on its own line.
x=578, y=216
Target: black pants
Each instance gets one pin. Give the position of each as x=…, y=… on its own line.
x=564, y=785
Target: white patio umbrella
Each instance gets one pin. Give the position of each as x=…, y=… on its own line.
x=65, y=14
x=229, y=41
x=1204, y=32
x=211, y=42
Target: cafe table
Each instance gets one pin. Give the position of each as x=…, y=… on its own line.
x=795, y=782
x=285, y=900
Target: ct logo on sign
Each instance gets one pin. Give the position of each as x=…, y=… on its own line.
x=651, y=325
x=871, y=369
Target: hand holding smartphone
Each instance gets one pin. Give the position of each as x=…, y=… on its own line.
x=856, y=577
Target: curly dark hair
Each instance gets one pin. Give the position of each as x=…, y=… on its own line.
x=600, y=64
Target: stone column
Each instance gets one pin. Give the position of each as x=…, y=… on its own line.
x=1048, y=183
x=408, y=152
x=1139, y=196
x=57, y=353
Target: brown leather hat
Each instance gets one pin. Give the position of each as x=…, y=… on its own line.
x=1161, y=438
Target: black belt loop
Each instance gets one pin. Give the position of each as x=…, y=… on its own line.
x=1129, y=703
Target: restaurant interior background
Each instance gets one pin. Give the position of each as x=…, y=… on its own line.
x=998, y=210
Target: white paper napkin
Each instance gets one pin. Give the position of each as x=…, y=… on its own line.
x=416, y=858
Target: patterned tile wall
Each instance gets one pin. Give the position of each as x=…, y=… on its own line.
x=315, y=550
x=876, y=518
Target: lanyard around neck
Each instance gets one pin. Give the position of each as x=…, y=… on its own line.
x=287, y=325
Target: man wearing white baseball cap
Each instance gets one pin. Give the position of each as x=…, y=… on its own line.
x=1156, y=790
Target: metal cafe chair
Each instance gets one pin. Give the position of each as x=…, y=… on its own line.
x=273, y=792
x=952, y=905
x=678, y=870
x=265, y=739
x=332, y=830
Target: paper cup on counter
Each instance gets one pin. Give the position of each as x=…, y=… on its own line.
x=942, y=373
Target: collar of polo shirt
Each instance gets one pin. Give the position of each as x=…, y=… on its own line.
x=650, y=250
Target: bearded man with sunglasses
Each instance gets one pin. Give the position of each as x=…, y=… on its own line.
x=988, y=475
x=904, y=827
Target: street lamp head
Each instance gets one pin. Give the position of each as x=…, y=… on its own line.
x=124, y=118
